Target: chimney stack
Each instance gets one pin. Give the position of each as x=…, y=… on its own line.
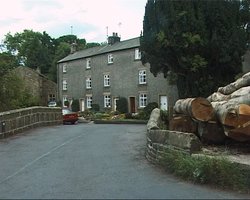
x=113, y=39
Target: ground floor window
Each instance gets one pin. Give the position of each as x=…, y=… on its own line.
x=107, y=101
x=89, y=101
x=51, y=97
x=142, y=100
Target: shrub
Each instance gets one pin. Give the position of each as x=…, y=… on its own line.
x=75, y=106
x=148, y=109
x=122, y=105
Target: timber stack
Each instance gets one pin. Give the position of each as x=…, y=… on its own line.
x=224, y=114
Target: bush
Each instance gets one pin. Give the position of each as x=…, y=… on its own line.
x=75, y=106
x=148, y=109
x=122, y=105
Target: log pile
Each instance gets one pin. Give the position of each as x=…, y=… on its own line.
x=224, y=114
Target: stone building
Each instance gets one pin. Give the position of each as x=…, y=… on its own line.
x=38, y=85
x=102, y=74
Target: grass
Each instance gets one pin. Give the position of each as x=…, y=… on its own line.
x=206, y=170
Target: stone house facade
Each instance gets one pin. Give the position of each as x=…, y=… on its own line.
x=38, y=85
x=101, y=75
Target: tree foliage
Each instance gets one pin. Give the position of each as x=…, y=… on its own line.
x=201, y=43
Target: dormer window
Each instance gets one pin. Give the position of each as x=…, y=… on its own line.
x=88, y=63
x=137, y=54
x=110, y=58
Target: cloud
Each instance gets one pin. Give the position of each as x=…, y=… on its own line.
x=89, y=18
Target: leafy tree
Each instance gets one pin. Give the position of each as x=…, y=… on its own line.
x=200, y=43
x=7, y=62
x=32, y=49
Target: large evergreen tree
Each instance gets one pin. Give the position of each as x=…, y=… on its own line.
x=199, y=43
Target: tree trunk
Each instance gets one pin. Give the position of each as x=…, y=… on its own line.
x=211, y=132
x=217, y=96
x=183, y=123
x=239, y=83
x=198, y=108
x=154, y=119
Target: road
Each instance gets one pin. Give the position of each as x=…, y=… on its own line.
x=85, y=161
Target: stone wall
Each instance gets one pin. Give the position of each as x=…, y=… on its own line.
x=16, y=121
x=158, y=141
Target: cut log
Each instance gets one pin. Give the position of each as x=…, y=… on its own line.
x=241, y=134
x=183, y=123
x=239, y=83
x=240, y=92
x=231, y=114
x=198, y=108
x=217, y=96
x=154, y=119
x=245, y=99
x=211, y=132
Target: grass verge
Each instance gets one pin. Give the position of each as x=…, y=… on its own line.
x=207, y=170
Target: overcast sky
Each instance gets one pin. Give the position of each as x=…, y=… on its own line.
x=87, y=19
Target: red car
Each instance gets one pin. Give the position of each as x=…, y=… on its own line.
x=69, y=116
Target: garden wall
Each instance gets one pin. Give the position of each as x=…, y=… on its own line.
x=158, y=141
x=16, y=121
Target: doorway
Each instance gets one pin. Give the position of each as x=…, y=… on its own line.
x=163, y=103
x=132, y=104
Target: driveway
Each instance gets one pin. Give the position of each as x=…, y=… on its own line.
x=99, y=161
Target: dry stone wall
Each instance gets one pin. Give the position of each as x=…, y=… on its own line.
x=16, y=121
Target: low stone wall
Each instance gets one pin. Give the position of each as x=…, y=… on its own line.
x=158, y=141
x=16, y=121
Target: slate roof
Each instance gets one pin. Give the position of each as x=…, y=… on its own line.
x=118, y=46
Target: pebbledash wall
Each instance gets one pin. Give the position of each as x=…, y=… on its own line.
x=16, y=121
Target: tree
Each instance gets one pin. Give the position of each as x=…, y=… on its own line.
x=32, y=49
x=198, y=42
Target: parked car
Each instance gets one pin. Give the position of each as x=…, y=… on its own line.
x=52, y=104
x=69, y=116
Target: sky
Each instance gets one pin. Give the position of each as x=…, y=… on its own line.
x=87, y=19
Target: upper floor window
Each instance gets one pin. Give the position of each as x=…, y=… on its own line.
x=110, y=58
x=142, y=77
x=106, y=80
x=64, y=68
x=88, y=82
x=142, y=100
x=88, y=63
x=65, y=85
x=107, y=101
x=137, y=54
x=89, y=101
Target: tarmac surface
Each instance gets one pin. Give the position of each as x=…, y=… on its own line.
x=89, y=161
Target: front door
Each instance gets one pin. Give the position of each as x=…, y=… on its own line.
x=164, y=102
x=115, y=103
x=132, y=104
x=82, y=105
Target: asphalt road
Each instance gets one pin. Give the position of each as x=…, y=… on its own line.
x=89, y=161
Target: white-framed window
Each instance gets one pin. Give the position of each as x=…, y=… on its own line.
x=142, y=100
x=89, y=101
x=88, y=63
x=88, y=83
x=64, y=68
x=65, y=98
x=137, y=54
x=65, y=85
x=107, y=101
x=106, y=80
x=142, y=76
x=110, y=58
